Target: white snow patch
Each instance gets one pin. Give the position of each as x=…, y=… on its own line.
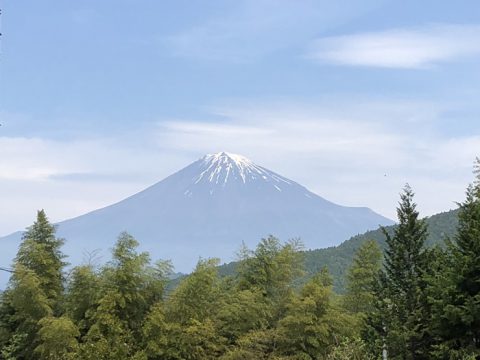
x=219, y=168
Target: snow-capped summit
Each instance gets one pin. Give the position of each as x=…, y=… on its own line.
x=218, y=171
x=208, y=209
x=220, y=166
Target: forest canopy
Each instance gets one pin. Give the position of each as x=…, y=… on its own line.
x=402, y=300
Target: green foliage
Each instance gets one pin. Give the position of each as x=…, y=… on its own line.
x=361, y=276
x=155, y=331
x=197, y=296
x=255, y=344
x=455, y=290
x=313, y=324
x=272, y=267
x=29, y=304
x=338, y=259
x=242, y=311
x=397, y=317
x=351, y=349
x=113, y=316
x=35, y=289
x=271, y=270
x=82, y=297
x=40, y=253
x=58, y=339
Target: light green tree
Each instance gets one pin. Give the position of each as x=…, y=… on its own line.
x=35, y=289
x=361, y=277
x=314, y=324
x=58, y=339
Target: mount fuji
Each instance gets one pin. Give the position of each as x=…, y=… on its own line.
x=208, y=209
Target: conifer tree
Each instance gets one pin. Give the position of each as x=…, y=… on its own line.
x=456, y=290
x=396, y=323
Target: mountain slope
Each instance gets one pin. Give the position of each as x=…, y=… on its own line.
x=209, y=207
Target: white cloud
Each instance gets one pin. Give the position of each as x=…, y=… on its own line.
x=409, y=48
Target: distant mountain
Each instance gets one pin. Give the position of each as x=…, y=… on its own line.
x=207, y=209
x=339, y=258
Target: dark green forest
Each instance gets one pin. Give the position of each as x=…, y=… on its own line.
x=411, y=291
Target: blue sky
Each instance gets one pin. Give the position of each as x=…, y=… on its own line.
x=99, y=99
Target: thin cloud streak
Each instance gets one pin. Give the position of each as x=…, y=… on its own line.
x=410, y=48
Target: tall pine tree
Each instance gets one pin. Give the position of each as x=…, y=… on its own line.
x=397, y=323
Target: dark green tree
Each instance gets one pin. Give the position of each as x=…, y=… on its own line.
x=397, y=321
x=456, y=289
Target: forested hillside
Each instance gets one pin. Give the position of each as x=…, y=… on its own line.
x=338, y=259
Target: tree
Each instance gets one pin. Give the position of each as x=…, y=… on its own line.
x=456, y=289
x=184, y=327
x=397, y=319
x=313, y=324
x=361, y=277
x=242, y=311
x=29, y=304
x=58, y=339
x=40, y=252
x=197, y=296
x=83, y=295
x=123, y=303
x=35, y=289
x=271, y=270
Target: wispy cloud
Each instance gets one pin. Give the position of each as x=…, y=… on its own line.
x=409, y=48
